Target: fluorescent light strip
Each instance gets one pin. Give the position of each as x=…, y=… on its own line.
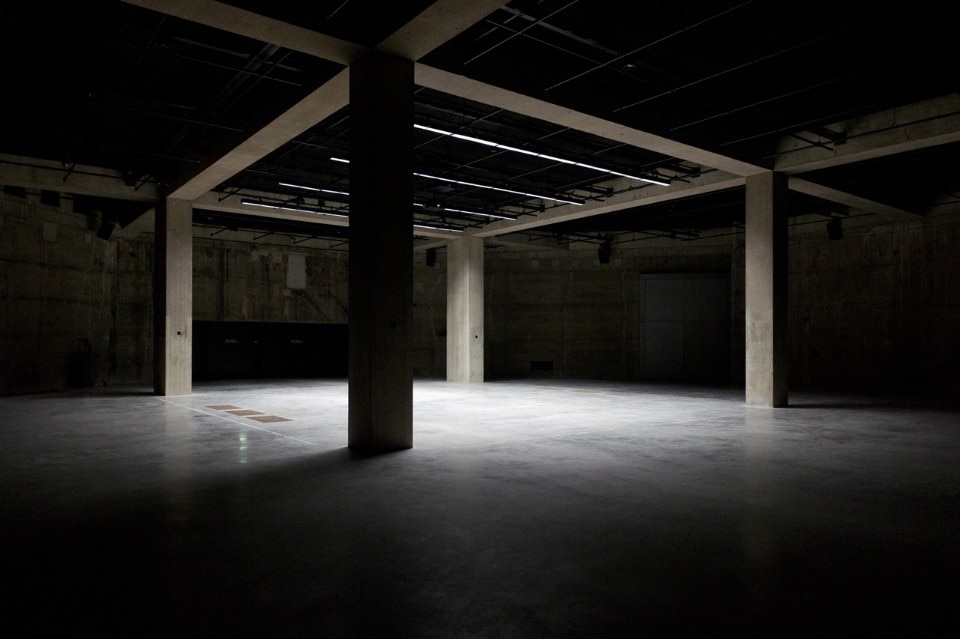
x=312, y=188
x=340, y=160
x=544, y=156
x=494, y=215
x=437, y=228
x=497, y=188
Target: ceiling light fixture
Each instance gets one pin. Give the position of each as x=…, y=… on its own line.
x=497, y=188
x=658, y=181
x=313, y=188
x=498, y=216
x=438, y=228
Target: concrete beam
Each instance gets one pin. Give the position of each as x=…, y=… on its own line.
x=258, y=27
x=908, y=128
x=847, y=199
x=231, y=204
x=528, y=244
x=445, y=19
x=82, y=179
x=440, y=22
x=465, y=87
x=706, y=183
x=322, y=103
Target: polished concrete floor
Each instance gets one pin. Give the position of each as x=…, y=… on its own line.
x=525, y=509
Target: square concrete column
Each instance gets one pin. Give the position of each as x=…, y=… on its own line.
x=465, y=310
x=381, y=253
x=766, y=290
x=173, y=298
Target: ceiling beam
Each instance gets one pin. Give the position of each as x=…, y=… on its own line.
x=437, y=24
x=78, y=179
x=231, y=204
x=847, y=199
x=322, y=103
x=489, y=94
x=706, y=183
x=258, y=27
x=907, y=128
x=442, y=20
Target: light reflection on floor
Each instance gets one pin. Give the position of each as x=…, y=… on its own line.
x=524, y=509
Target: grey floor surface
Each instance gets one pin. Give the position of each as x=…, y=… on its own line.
x=525, y=509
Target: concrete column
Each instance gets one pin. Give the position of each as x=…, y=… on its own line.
x=766, y=290
x=173, y=298
x=465, y=310
x=381, y=253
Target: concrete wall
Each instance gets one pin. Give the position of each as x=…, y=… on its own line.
x=242, y=281
x=75, y=307
x=429, y=316
x=561, y=313
x=878, y=309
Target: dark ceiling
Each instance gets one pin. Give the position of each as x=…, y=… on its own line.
x=158, y=98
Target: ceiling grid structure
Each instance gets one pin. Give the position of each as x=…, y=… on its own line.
x=530, y=113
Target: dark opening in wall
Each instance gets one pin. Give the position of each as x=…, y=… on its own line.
x=541, y=366
x=15, y=191
x=50, y=198
x=263, y=350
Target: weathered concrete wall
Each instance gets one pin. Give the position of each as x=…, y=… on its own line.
x=566, y=308
x=241, y=281
x=875, y=310
x=429, y=333
x=878, y=309
x=72, y=303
